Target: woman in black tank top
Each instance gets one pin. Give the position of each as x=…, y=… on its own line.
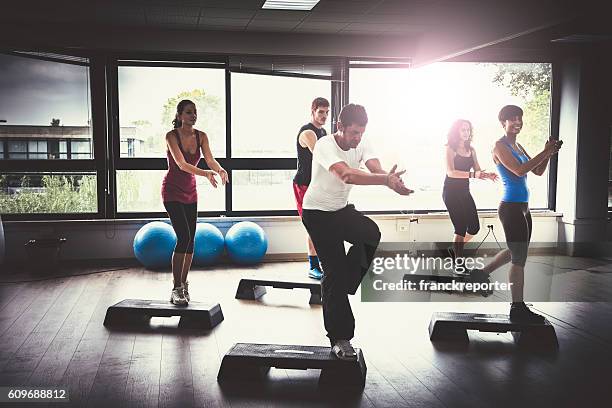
x=461, y=165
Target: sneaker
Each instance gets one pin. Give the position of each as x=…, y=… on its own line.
x=186, y=291
x=177, y=297
x=315, y=273
x=522, y=314
x=478, y=275
x=344, y=350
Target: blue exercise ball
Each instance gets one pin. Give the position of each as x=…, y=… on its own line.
x=246, y=243
x=209, y=244
x=154, y=244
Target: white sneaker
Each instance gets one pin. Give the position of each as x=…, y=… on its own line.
x=177, y=297
x=186, y=291
x=344, y=350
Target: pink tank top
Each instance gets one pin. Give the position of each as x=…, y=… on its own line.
x=179, y=185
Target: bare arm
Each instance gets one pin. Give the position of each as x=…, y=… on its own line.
x=178, y=157
x=475, y=158
x=358, y=177
x=503, y=154
x=374, y=166
x=350, y=175
x=479, y=172
x=539, y=170
x=210, y=160
x=308, y=139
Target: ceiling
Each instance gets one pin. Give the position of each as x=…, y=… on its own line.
x=442, y=28
x=328, y=16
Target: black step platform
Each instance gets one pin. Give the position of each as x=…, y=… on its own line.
x=248, y=361
x=197, y=315
x=454, y=326
x=252, y=289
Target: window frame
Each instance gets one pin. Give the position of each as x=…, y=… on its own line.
x=555, y=104
x=62, y=166
x=229, y=163
x=103, y=93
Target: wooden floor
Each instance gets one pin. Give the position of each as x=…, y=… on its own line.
x=51, y=334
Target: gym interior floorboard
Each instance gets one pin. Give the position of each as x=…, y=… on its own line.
x=52, y=334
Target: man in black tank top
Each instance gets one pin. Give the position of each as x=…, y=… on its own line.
x=305, y=143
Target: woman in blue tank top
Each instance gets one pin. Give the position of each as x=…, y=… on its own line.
x=513, y=164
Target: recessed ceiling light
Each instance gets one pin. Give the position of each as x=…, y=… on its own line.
x=290, y=4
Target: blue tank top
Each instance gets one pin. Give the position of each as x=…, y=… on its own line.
x=515, y=187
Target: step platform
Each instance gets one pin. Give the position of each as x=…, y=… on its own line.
x=253, y=289
x=196, y=315
x=453, y=327
x=248, y=361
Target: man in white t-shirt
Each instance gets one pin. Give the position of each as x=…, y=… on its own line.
x=330, y=220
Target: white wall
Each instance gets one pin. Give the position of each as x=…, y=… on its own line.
x=286, y=235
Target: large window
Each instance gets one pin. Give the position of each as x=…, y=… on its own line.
x=52, y=193
x=45, y=112
x=45, y=97
x=411, y=110
x=146, y=112
x=140, y=191
x=268, y=111
x=145, y=116
x=263, y=190
x=87, y=138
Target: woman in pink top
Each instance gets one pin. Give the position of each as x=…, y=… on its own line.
x=179, y=194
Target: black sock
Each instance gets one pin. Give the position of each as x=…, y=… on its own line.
x=518, y=304
x=314, y=261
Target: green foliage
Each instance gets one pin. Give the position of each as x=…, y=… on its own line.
x=524, y=80
x=211, y=119
x=207, y=106
x=141, y=123
x=536, y=130
x=58, y=194
x=530, y=82
x=127, y=183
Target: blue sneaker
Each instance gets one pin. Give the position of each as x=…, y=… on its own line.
x=315, y=273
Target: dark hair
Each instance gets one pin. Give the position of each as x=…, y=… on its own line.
x=453, y=134
x=319, y=102
x=353, y=114
x=508, y=112
x=179, y=109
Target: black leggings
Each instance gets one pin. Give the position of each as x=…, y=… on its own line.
x=342, y=272
x=516, y=220
x=183, y=218
x=462, y=210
